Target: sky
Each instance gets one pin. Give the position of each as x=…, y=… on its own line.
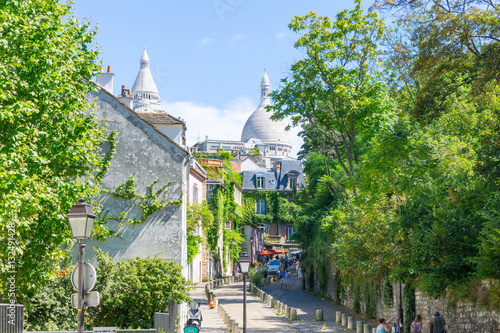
x=207, y=56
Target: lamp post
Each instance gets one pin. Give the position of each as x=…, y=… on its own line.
x=251, y=251
x=81, y=221
x=244, y=265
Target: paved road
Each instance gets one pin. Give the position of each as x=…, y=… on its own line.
x=307, y=304
x=262, y=319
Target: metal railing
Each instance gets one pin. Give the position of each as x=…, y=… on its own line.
x=11, y=318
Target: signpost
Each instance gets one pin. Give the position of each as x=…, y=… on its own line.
x=90, y=298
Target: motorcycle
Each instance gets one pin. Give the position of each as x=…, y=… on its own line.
x=194, y=318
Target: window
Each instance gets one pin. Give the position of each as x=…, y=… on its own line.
x=261, y=207
x=262, y=227
x=260, y=182
x=195, y=194
x=293, y=183
x=290, y=230
x=210, y=192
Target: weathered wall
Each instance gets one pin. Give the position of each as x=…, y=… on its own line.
x=144, y=153
x=460, y=317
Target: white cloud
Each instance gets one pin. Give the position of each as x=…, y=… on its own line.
x=235, y=38
x=280, y=35
x=219, y=123
x=205, y=41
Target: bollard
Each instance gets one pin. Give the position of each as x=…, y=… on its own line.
x=359, y=326
x=338, y=317
x=344, y=319
x=319, y=315
x=216, y=302
x=230, y=324
x=283, y=308
x=293, y=314
x=374, y=330
x=367, y=328
x=350, y=323
x=234, y=327
x=276, y=305
x=270, y=301
x=287, y=312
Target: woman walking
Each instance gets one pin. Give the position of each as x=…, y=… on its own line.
x=287, y=280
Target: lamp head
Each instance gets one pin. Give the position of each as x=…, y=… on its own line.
x=81, y=220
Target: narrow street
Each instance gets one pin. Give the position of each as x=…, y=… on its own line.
x=261, y=318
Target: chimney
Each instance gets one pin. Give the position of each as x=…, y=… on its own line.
x=125, y=98
x=105, y=80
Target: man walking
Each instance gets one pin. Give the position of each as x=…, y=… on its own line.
x=437, y=324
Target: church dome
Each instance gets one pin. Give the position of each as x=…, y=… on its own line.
x=259, y=126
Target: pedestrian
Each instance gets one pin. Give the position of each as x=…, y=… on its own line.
x=416, y=325
x=437, y=324
x=236, y=272
x=299, y=270
x=282, y=277
x=287, y=279
x=286, y=261
x=382, y=326
x=397, y=326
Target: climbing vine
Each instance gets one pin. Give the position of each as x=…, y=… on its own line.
x=388, y=294
x=149, y=204
x=409, y=305
x=109, y=156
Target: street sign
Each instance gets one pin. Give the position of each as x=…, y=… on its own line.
x=89, y=277
x=90, y=299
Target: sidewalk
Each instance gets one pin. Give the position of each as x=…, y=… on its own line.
x=211, y=322
x=260, y=317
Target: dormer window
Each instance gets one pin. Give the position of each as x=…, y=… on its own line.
x=293, y=183
x=260, y=179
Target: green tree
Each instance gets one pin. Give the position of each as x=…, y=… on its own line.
x=335, y=92
x=48, y=141
x=151, y=283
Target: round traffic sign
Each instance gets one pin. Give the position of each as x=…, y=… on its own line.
x=89, y=277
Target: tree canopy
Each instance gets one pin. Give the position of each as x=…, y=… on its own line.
x=48, y=142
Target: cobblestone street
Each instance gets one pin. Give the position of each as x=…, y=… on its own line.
x=307, y=304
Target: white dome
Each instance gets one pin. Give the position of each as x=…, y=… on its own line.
x=259, y=126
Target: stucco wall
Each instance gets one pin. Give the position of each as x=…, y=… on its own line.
x=147, y=155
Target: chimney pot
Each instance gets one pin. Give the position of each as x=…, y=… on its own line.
x=109, y=69
x=130, y=92
x=123, y=86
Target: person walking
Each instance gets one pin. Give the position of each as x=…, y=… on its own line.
x=437, y=324
x=299, y=270
x=416, y=325
x=236, y=272
x=287, y=280
x=282, y=277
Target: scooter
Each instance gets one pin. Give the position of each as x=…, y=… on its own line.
x=194, y=318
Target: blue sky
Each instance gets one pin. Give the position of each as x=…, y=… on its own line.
x=207, y=57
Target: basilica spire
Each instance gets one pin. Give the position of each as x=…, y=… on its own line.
x=264, y=86
x=144, y=59
x=144, y=91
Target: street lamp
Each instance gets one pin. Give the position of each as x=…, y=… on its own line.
x=81, y=221
x=251, y=251
x=244, y=265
